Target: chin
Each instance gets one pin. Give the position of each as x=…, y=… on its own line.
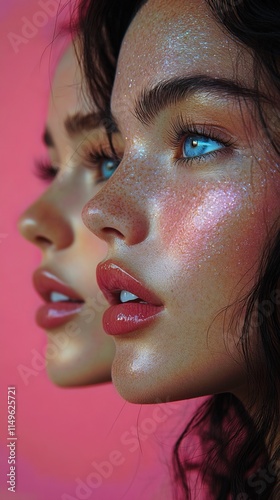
x=70, y=378
x=136, y=395
x=162, y=386
x=76, y=372
x=79, y=361
x=143, y=389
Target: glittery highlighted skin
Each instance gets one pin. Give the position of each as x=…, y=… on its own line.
x=192, y=230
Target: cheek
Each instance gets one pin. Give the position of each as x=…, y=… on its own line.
x=87, y=249
x=217, y=232
x=90, y=246
x=87, y=252
x=198, y=221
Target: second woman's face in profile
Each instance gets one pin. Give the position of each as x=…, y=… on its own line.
x=78, y=351
x=187, y=212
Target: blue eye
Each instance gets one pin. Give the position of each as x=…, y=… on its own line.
x=108, y=167
x=199, y=145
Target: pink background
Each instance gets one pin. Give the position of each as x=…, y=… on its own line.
x=60, y=431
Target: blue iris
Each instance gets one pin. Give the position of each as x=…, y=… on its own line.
x=199, y=145
x=108, y=167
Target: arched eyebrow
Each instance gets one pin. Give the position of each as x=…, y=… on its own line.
x=79, y=122
x=152, y=101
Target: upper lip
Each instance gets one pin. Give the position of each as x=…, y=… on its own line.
x=112, y=279
x=45, y=282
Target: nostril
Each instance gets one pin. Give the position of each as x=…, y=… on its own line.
x=115, y=232
x=41, y=240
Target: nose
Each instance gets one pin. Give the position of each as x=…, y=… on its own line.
x=44, y=225
x=118, y=211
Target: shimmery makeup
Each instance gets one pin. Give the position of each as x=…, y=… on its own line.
x=193, y=232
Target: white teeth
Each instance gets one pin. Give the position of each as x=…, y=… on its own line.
x=58, y=297
x=127, y=296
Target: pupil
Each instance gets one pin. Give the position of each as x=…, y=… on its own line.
x=194, y=143
x=110, y=165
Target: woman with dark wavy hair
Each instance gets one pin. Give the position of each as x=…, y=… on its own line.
x=191, y=217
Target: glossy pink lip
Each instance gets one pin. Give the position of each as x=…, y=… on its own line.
x=54, y=314
x=122, y=318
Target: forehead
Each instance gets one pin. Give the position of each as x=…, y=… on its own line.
x=67, y=96
x=176, y=38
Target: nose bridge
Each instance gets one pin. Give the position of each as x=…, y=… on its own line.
x=119, y=209
x=45, y=223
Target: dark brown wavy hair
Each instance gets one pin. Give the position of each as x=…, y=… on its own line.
x=240, y=456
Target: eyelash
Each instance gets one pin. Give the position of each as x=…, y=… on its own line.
x=94, y=158
x=45, y=171
x=182, y=129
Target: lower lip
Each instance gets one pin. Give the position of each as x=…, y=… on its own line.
x=52, y=315
x=126, y=318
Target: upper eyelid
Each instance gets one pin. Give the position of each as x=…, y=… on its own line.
x=101, y=150
x=96, y=142
x=183, y=126
x=91, y=142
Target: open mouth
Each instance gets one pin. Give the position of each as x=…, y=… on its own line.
x=126, y=296
x=123, y=297
x=133, y=305
x=60, y=297
x=61, y=301
x=118, y=286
